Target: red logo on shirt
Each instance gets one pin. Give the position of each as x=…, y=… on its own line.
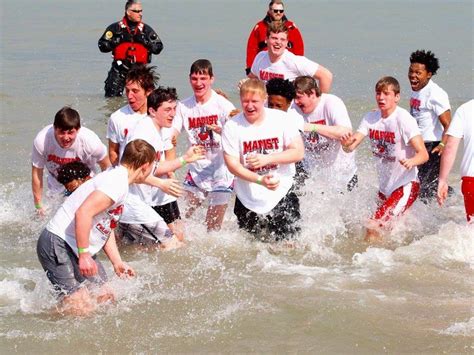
x=196, y=122
x=415, y=104
x=266, y=75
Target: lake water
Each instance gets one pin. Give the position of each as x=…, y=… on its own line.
x=225, y=292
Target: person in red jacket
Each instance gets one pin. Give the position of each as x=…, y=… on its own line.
x=257, y=38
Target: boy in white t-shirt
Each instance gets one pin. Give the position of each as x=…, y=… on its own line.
x=261, y=146
x=83, y=226
x=202, y=116
x=324, y=120
x=156, y=130
x=429, y=104
x=461, y=127
x=139, y=83
x=63, y=142
x=278, y=62
x=397, y=144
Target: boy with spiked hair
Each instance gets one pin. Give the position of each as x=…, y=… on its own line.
x=429, y=104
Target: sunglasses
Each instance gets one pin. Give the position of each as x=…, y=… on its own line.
x=278, y=11
x=136, y=11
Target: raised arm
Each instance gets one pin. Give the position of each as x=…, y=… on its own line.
x=324, y=78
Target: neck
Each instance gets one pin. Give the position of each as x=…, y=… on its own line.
x=386, y=113
x=204, y=98
x=273, y=57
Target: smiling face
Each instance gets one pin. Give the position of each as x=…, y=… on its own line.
x=277, y=43
x=306, y=103
x=164, y=114
x=253, y=106
x=201, y=83
x=65, y=138
x=136, y=96
x=387, y=100
x=418, y=76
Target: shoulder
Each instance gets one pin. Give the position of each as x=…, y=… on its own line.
x=147, y=28
x=45, y=131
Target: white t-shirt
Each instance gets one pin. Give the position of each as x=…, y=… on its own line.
x=389, y=140
x=426, y=106
x=273, y=135
x=289, y=66
x=112, y=182
x=462, y=126
x=322, y=152
x=210, y=174
x=122, y=123
x=47, y=153
x=161, y=141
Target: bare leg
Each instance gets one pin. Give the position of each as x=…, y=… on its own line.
x=215, y=216
x=79, y=303
x=192, y=204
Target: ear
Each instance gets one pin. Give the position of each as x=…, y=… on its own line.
x=151, y=111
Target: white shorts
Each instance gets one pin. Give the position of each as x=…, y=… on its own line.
x=216, y=198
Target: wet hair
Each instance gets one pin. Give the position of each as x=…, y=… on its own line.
x=160, y=95
x=253, y=86
x=306, y=85
x=130, y=3
x=72, y=171
x=277, y=27
x=144, y=75
x=66, y=119
x=201, y=66
x=386, y=82
x=137, y=153
x=281, y=87
x=427, y=58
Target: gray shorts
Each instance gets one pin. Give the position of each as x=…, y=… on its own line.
x=61, y=265
x=144, y=234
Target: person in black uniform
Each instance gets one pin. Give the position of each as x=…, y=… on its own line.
x=130, y=41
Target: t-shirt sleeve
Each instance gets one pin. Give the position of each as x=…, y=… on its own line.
x=296, y=119
x=339, y=114
x=290, y=131
x=439, y=103
x=112, y=133
x=408, y=128
x=38, y=160
x=306, y=66
x=230, y=140
x=178, y=119
x=116, y=189
x=364, y=126
x=456, y=126
x=97, y=149
x=254, y=68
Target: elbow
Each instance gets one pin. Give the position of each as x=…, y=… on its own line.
x=425, y=157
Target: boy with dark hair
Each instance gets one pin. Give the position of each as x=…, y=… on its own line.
x=281, y=93
x=140, y=82
x=429, y=104
x=397, y=144
x=72, y=175
x=60, y=143
x=83, y=226
x=156, y=130
x=202, y=116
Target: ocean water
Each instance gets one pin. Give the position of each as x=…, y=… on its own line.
x=225, y=292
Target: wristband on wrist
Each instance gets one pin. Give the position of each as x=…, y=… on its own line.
x=259, y=180
x=313, y=128
x=82, y=250
x=182, y=161
x=38, y=205
x=442, y=144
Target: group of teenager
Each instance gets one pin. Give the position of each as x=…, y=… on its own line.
x=288, y=127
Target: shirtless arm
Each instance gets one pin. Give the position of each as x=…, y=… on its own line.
x=332, y=132
x=114, y=152
x=447, y=162
x=445, y=119
x=351, y=141
x=37, y=188
x=324, y=77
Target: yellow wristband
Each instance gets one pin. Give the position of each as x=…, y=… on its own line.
x=313, y=128
x=441, y=144
x=82, y=250
x=182, y=161
x=259, y=180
